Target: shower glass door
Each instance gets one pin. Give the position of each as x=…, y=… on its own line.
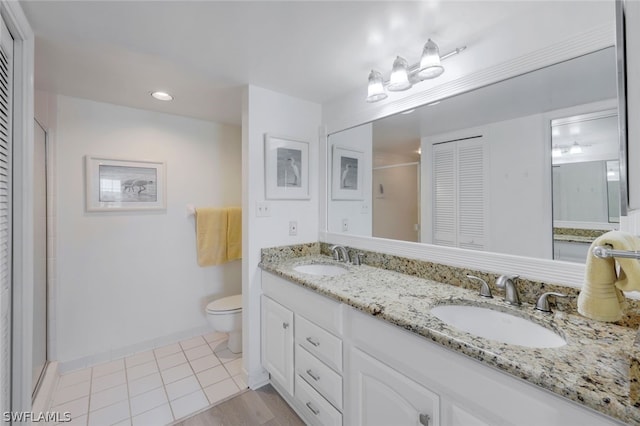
x=40, y=255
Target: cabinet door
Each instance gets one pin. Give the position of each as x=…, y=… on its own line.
x=277, y=342
x=379, y=395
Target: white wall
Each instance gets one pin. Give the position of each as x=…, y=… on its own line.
x=265, y=111
x=127, y=281
x=358, y=214
x=396, y=211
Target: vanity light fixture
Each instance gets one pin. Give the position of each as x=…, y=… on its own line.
x=162, y=96
x=560, y=150
x=575, y=149
x=403, y=76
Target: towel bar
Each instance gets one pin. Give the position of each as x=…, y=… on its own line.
x=606, y=251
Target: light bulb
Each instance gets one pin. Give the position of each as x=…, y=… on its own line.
x=162, y=96
x=375, y=90
x=399, y=79
x=575, y=149
x=430, y=61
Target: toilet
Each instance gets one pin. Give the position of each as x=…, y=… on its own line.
x=225, y=315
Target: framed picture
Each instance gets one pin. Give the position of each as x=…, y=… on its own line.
x=286, y=168
x=117, y=185
x=347, y=171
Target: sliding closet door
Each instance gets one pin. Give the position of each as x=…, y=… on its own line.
x=6, y=85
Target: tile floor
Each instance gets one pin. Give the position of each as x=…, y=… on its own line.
x=152, y=388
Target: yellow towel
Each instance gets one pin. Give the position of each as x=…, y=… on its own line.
x=234, y=233
x=601, y=297
x=211, y=236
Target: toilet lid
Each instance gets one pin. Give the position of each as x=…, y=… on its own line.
x=226, y=304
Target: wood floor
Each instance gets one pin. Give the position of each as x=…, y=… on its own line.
x=260, y=407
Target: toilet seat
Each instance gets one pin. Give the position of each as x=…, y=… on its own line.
x=226, y=305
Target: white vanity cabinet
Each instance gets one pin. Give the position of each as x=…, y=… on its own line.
x=382, y=396
x=336, y=365
x=277, y=342
x=302, y=349
x=386, y=366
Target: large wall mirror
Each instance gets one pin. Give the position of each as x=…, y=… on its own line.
x=527, y=166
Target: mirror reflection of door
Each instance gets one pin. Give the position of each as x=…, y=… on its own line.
x=396, y=180
x=396, y=201
x=586, y=187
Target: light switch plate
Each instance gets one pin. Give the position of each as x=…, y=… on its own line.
x=293, y=227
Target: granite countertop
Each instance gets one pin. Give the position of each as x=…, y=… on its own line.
x=592, y=369
x=573, y=238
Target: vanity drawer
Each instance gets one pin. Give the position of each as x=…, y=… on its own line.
x=319, y=342
x=315, y=407
x=323, y=379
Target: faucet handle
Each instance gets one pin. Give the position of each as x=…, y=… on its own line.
x=356, y=258
x=543, y=304
x=485, y=291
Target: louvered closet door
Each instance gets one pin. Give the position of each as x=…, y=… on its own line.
x=444, y=195
x=6, y=86
x=459, y=193
x=471, y=194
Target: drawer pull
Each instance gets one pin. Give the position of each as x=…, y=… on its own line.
x=313, y=376
x=285, y=325
x=424, y=419
x=313, y=342
x=315, y=411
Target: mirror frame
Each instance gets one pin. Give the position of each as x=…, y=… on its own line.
x=545, y=270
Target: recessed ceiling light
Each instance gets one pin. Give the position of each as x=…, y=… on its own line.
x=162, y=96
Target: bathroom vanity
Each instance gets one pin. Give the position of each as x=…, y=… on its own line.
x=360, y=347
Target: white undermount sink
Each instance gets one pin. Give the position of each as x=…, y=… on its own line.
x=496, y=325
x=321, y=269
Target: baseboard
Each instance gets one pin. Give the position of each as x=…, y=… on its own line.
x=42, y=399
x=91, y=360
x=257, y=380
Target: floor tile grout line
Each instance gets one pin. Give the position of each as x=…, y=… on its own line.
x=89, y=399
x=210, y=404
x=164, y=386
x=126, y=380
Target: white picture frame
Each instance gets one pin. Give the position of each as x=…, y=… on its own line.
x=347, y=174
x=124, y=185
x=286, y=168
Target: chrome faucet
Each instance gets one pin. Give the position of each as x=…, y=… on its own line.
x=339, y=253
x=543, y=304
x=511, y=295
x=485, y=291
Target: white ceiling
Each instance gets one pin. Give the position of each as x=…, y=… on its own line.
x=205, y=52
